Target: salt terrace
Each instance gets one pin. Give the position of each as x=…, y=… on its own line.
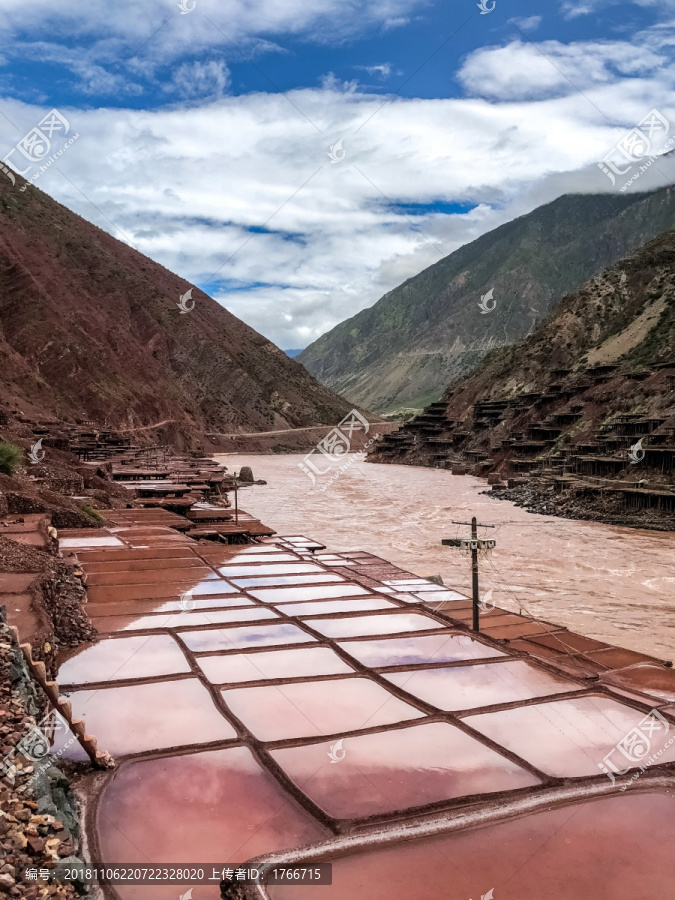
x=281, y=702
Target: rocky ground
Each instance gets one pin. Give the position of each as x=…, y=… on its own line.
x=69, y=492
x=57, y=594
x=38, y=814
x=539, y=497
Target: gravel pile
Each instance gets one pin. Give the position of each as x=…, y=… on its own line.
x=59, y=591
x=38, y=819
x=540, y=497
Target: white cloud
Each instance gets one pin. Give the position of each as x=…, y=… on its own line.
x=201, y=80
x=383, y=71
x=144, y=36
x=243, y=186
x=529, y=23
x=520, y=70
x=572, y=9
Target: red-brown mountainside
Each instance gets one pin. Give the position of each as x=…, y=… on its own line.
x=90, y=329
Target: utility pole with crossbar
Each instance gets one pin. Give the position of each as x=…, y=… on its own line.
x=474, y=545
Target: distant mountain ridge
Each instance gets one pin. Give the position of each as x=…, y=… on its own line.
x=580, y=415
x=404, y=350
x=92, y=329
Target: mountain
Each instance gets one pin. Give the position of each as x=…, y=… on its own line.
x=580, y=415
x=91, y=330
x=293, y=353
x=404, y=350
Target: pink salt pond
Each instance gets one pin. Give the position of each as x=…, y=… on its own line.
x=113, y=564
x=147, y=607
x=395, y=770
x=244, y=637
x=618, y=848
x=125, y=593
x=572, y=737
x=220, y=556
x=182, y=619
x=439, y=597
x=213, y=806
x=124, y=658
x=162, y=591
x=430, y=648
x=300, y=594
x=367, y=625
x=271, y=580
x=468, y=687
x=142, y=717
x=249, y=556
x=321, y=607
x=655, y=680
x=262, y=568
x=212, y=587
x=126, y=554
x=87, y=540
x=146, y=576
x=306, y=709
x=302, y=662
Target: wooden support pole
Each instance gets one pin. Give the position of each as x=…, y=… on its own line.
x=474, y=573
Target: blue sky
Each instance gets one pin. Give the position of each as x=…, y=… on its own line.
x=204, y=138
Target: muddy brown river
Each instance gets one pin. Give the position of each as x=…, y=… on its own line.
x=611, y=583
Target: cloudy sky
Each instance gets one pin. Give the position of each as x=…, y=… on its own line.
x=297, y=159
